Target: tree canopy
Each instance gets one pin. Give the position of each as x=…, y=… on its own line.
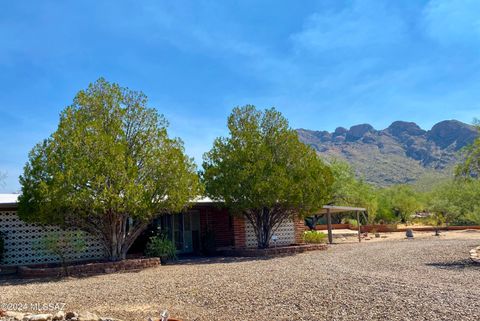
x=470, y=167
x=347, y=189
x=109, y=168
x=262, y=171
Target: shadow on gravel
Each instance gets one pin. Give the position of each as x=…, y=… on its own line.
x=220, y=259
x=16, y=280
x=456, y=265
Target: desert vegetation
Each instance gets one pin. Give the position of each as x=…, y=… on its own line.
x=433, y=200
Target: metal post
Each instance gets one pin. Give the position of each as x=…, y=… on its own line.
x=358, y=225
x=329, y=224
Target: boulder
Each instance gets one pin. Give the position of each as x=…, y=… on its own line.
x=17, y=316
x=71, y=315
x=358, y=131
x=340, y=131
x=452, y=132
x=400, y=128
x=59, y=316
x=409, y=233
x=87, y=316
x=38, y=317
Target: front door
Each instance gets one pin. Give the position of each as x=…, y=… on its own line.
x=191, y=232
x=186, y=231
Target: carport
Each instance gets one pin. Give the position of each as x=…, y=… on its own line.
x=328, y=210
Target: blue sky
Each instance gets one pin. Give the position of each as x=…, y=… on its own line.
x=322, y=63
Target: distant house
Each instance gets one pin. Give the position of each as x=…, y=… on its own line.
x=189, y=230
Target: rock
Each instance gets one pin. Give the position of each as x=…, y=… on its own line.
x=87, y=316
x=18, y=316
x=71, y=315
x=409, y=233
x=340, y=131
x=356, y=132
x=399, y=128
x=398, y=154
x=38, y=317
x=451, y=132
x=59, y=316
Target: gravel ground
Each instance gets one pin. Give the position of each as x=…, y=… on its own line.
x=421, y=279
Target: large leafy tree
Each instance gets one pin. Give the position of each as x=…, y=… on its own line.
x=454, y=200
x=350, y=190
x=470, y=167
x=108, y=169
x=263, y=172
x=404, y=201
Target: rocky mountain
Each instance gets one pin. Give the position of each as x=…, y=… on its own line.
x=401, y=153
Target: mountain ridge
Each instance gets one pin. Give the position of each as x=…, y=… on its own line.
x=401, y=153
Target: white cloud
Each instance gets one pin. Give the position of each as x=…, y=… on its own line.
x=365, y=23
x=453, y=21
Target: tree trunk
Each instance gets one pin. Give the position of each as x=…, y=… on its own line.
x=120, y=236
x=265, y=221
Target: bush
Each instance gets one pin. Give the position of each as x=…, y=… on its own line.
x=161, y=246
x=351, y=221
x=60, y=244
x=314, y=237
x=2, y=246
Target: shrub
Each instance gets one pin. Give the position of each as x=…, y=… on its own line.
x=314, y=237
x=60, y=244
x=352, y=222
x=161, y=246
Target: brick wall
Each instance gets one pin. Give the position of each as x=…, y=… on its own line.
x=89, y=269
x=218, y=221
x=300, y=227
x=239, y=237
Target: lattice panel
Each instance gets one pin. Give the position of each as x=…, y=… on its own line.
x=285, y=234
x=21, y=239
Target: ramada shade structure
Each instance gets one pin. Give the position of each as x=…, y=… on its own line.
x=332, y=209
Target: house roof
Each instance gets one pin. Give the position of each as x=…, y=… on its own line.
x=8, y=198
x=340, y=209
x=11, y=199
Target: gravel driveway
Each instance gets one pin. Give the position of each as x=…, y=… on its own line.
x=422, y=279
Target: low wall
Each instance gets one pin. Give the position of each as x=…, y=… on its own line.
x=89, y=268
x=321, y=227
x=443, y=228
x=385, y=228
x=282, y=250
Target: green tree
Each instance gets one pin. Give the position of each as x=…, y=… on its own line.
x=108, y=169
x=470, y=167
x=457, y=201
x=263, y=172
x=405, y=202
x=60, y=244
x=347, y=189
x=398, y=203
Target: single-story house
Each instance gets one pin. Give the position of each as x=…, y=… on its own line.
x=204, y=219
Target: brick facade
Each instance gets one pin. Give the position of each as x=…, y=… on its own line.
x=239, y=237
x=300, y=228
x=218, y=221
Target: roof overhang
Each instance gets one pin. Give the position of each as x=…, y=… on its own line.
x=339, y=209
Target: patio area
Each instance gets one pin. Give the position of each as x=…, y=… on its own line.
x=426, y=278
